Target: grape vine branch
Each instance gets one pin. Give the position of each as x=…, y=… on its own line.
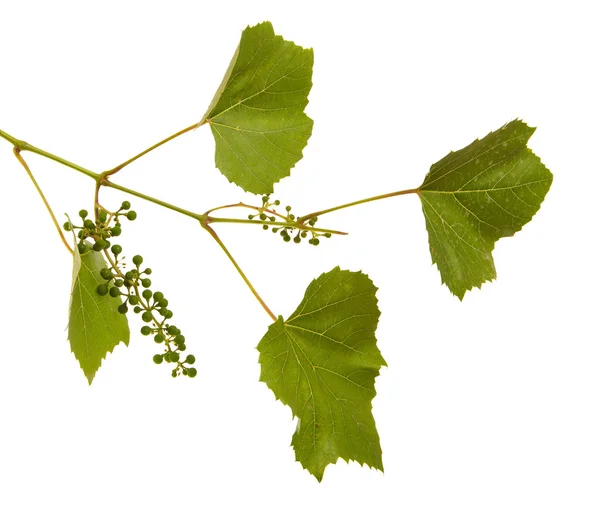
x=322, y=361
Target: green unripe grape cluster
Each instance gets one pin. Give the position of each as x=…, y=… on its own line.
x=94, y=234
x=289, y=233
x=132, y=287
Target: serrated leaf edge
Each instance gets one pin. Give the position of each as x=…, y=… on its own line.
x=319, y=476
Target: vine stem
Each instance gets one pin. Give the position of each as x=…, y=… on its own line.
x=356, y=203
x=110, y=184
x=238, y=268
x=102, y=180
x=24, y=146
x=17, y=153
x=115, y=169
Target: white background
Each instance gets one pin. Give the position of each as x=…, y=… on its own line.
x=489, y=411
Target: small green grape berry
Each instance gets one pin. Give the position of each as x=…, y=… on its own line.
x=146, y=282
x=272, y=218
x=123, y=309
x=126, y=205
x=116, y=230
x=129, y=275
x=250, y=217
x=190, y=359
x=263, y=217
x=180, y=339
x=147, y=294
x=297, y=239
x=158, y=358
x=304, y=234
x=158, y=296
x=82, y=247
x=116, y=249
x=288, y=208
x=158, y=338
x=327, y=235
x=114, y=292
x=80, y=234
x=292, y=216
x=147, y=316
x=137, y=309
x=173, y=330
x=119, y=282
x=163, y=303
x=174, y=373
x=182, y=347
x=174, y=357
x=163, y=311
x=102, y=216
x=315, y=241
x=148, y=271
x=68, y=226
x=145, y=330
x=132, y=216
x=89, y=224
x=274, y=230
x=83, y=214
x=277, y=202
x=137, y=260
x=286, y=238
x=265, y=227
x=192, y=372
x=105, y=243
x=97, y=246
x=184, y=371
x=102, y=290
x=134, y=300
x=265, y=198
x=168, y=314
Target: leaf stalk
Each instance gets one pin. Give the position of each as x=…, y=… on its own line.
x=115, y=169
x=356, y=203
x=214, y=235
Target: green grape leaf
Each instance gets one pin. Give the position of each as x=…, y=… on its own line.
x=322, y=362
x=257, y=115
x=473, y=197
x=95, y=325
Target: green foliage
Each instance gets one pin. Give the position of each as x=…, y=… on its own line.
x=257, y=115
x=322, y=363
x=323, y=360
x=95, y=324
x=473, y=197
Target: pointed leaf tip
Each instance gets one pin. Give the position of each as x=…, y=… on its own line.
x=95, y=325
